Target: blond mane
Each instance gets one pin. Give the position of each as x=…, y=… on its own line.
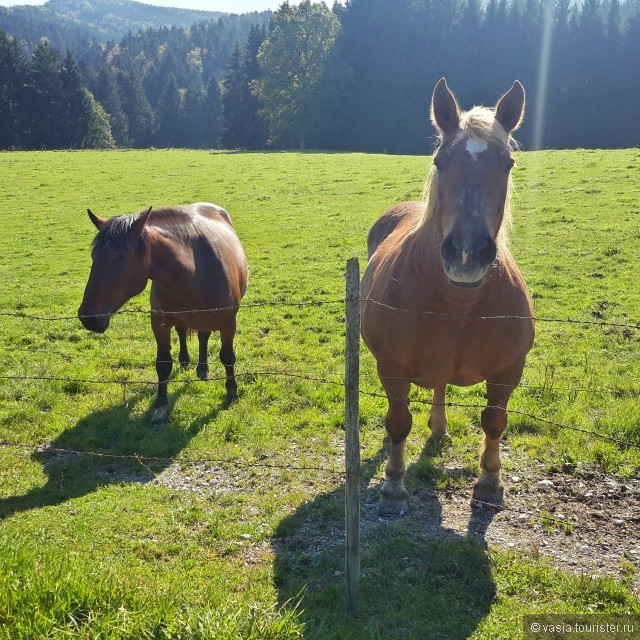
x=480, y=123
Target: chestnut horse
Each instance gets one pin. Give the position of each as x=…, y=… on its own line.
x=438, y=270
x=198, y=274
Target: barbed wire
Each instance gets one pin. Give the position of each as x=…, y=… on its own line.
x=324, y=380
x=331, y=473
x=600, y=323
x=318, y=303
x=120, y=363
x=134, y=457
x=161, y=313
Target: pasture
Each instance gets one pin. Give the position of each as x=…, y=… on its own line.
x=229, y=522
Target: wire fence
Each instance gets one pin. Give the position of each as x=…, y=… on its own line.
x=321, y=380
x=339, y=381
x=329, y=473
x=634, y=325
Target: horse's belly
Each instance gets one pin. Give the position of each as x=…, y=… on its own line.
x=435, y=352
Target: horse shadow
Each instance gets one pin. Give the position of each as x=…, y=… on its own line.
x=419, y=578
x=123, y=447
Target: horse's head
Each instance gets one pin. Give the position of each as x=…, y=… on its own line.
x=119, y=270
x=473, y=164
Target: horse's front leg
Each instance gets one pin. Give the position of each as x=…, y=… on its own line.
x=489, y=487
x=202, y=370
x=164, y=366
x=393, y=495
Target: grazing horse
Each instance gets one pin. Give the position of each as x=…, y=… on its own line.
x=198, y=274
x=438, y=270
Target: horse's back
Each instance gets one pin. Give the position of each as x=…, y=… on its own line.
x=225, y=242
x=205, y=243
x=212, y=211
x=399, y=216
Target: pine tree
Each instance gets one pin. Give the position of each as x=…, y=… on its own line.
x=212, y=115
x=233, y=135
x=97, y=133
x=108, y=93
x=137, y=110
x=194, y=115
x=255, y=130
x=12, y=79
x=43, y=98
x=168, y=115
x=75, y=112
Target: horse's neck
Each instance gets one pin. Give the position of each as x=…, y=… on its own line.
x=423, y=244
x=164, y=260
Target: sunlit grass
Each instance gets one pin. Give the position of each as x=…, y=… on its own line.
x=190, y=563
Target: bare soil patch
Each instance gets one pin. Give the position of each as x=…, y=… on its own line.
x=585, y=523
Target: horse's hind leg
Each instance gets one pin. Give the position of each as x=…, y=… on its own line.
x=202, y=370
x=228, y=359
x=438, y=417
x=393, y=495
x=489, y=487
x=164, y=365
x=183, y=356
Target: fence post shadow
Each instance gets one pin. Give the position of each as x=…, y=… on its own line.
x=419, y=579
x=101, y=449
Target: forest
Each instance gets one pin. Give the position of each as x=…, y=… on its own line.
x=354, y=76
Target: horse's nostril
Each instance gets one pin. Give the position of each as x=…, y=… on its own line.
x=94, y=323
x=449, y=249
x=488, y=253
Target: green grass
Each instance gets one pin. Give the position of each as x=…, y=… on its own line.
x=91, y=547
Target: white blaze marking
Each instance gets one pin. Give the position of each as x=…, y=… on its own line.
x=465, y=257
x=475, y=146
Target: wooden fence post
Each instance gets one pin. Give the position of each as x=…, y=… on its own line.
x=352, y=436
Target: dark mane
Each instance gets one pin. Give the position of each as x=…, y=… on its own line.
x=173, y=222
x=114, y=233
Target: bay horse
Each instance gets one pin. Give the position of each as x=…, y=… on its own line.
x=198, y=273
x=439, y=272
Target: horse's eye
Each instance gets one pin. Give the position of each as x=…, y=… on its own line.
x=510, y=165
x=120, y=257
x=437, y=164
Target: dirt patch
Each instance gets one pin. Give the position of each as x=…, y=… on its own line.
x=586, y=523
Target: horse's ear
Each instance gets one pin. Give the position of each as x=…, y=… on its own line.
x=510, y=108
x=445, y=113
x=138, y=226
x=97, y=220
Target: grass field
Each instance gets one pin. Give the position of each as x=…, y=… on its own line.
x=101, y=547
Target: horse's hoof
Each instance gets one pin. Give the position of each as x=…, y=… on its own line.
x=488, y=493
x=231, y=398
x=202, y=371
x=439, y=441
x=392, y=508
x=160, y=415
x=184, y=364
x=394, y=499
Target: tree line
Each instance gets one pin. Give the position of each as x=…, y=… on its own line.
x=356, y=76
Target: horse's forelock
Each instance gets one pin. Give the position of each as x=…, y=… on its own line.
x=114, y=233
x=481, y=123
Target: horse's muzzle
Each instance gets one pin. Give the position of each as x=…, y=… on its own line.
x=465, y=263
x=97, y=324
x=460, y=284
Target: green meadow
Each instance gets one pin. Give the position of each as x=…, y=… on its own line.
x=229, y=523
